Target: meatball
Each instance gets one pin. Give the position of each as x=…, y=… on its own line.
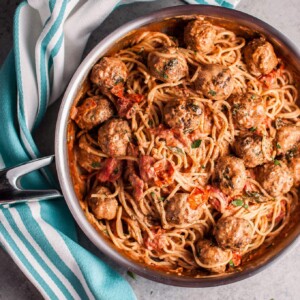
x=167, y=64
x=234, y=233
x=109, y=72
x=287, y=137
x=275, y=178
x=200, y=36
x=253, y=149
x=231, y=175
x=93, y=111
x=183, y=114
x=248, y=110
x=178, y=210
x=114, y=136
x=294, y=166
x=260, y=57
x=85, y=158
x=212, y=255
x=215, y=82
x=88, y=161
x=103, y=207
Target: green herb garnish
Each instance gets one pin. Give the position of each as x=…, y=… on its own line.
x=115, y=171
x=162, y=199
x=132, y=275
x=95, y=164
x=277, y=162
x=231, y=264
x=196, y=144
x=212, y=92
x=237, y=202
x=152, y=194
x=278, y=146
x=252, y=129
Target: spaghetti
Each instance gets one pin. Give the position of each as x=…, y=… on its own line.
x=153, y=227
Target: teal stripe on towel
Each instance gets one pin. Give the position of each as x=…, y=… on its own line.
x=36, y=255
x=11, y=243
x=44, y=92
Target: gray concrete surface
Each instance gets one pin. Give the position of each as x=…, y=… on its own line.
x=281, y=281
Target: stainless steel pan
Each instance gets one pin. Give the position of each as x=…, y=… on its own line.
x=166, y=18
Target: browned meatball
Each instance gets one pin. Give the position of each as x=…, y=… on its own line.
x=109, y=72
x=114, y=136
x=294, y=166
x=248, y=110
x=253, y=149
x=287, y=137
x=215, y=82
x=231, y=175
x=275, y=178
x=200, y=36
x=167, y=64
x=183, y=114
x=103, y=207
x=88, y=161
x=212, y=255
x=234, y=233
x=178, y=210
x=260, y=57
x=85, y=158
x=93, y=111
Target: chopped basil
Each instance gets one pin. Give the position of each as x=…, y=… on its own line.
x=95, y=164
x=105, y=231
x=237, y=202
x=212, y=92
x=278, y=146
x=277, y=162
x=152, y=194
x=115, y=171
x=203, y=167
x=162, y=199
x=246, y=206
x=231, y=264
x=196, y=144
x=132, y=275
x=252, y=129
x=253, y=97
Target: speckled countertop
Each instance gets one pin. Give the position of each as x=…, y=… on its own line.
x=281, y=281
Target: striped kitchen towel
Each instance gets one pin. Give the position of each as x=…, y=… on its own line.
x=49, y=39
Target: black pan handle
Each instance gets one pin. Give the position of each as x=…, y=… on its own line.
x=10, y=187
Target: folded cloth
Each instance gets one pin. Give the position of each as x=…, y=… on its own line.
x=49, y=39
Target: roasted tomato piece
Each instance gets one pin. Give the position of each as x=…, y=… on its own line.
x=197, y=198
x=164, y=172
x=111, y=170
